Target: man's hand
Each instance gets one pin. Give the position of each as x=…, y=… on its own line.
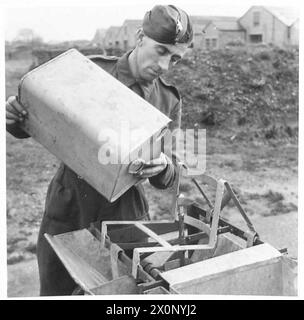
x=153, y=167
x=15, y=112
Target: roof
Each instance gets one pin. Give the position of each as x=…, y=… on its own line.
x=99, y=35
x=203, y=20
x=100, y=31
x=133, y=22
x=112, y=31
x=131, y=26
x=288, y=15
x=227, y=25
x=198, y=28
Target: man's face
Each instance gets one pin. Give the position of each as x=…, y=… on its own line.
x=154, y=58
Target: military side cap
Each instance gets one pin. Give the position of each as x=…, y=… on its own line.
x=168, y=25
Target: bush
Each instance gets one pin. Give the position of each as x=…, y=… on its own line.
x=236, y=43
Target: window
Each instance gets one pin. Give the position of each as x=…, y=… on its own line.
x=207, y=43
x=256, y=38
x=125, y=45
x=256, y=18
x=288, y=33
x=211, y=43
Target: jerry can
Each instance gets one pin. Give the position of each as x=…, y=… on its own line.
x=90, y=121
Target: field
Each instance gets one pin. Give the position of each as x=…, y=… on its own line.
x=257, y=155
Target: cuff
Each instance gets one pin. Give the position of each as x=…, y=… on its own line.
x=16, y=131
x=165, y=178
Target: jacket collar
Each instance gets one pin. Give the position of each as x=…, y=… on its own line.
x=125, y=75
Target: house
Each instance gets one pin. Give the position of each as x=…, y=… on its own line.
x=126, y=35
x=200, y=23
x=99, y=37
x=279, y=26
x=218, y=33
x=110, y=38
x=123, y=37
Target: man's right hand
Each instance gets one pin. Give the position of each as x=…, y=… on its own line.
x=15, y=112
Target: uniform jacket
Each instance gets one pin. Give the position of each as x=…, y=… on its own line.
x=72, y=204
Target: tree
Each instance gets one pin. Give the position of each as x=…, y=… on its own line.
x=28, y=36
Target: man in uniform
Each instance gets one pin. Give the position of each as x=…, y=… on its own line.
x=71, y=203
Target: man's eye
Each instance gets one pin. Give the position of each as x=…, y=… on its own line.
x=175, y=60
x=161, y=51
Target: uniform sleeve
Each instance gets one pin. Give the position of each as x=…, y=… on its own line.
x=166, y=178
x=16, y=131
x=175, y=116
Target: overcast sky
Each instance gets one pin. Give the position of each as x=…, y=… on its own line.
x=73, y=19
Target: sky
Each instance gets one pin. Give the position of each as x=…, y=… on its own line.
x=74, y=19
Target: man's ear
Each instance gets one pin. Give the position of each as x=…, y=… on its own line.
x=139, y=36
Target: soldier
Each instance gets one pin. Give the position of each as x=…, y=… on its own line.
x=71, y=203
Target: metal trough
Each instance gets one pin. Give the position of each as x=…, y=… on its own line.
x=146, y=258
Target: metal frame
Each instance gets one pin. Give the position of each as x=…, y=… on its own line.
x=165, y=246
x=223, y=195
x=211, y=230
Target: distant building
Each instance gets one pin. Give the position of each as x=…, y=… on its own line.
x=17, y=50
x=47, y=53
x=99, y=38
x=78, y=44
x=198, y=24
x=27, y=36
x=126, y=36
x=218, y=33
x=279, y=26
x=110, y=38
x=199, y=29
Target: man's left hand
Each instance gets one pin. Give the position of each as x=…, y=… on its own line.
x=153, y=167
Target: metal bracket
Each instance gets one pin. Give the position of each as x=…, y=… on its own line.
x=225, y=198
x=176, y=185
x=114, y=252
x=251, y=237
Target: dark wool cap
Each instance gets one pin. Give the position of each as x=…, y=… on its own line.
x=168, y=24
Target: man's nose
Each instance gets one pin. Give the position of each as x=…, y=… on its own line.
x=164, y=63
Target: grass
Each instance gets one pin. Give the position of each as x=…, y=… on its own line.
x=273, y=196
